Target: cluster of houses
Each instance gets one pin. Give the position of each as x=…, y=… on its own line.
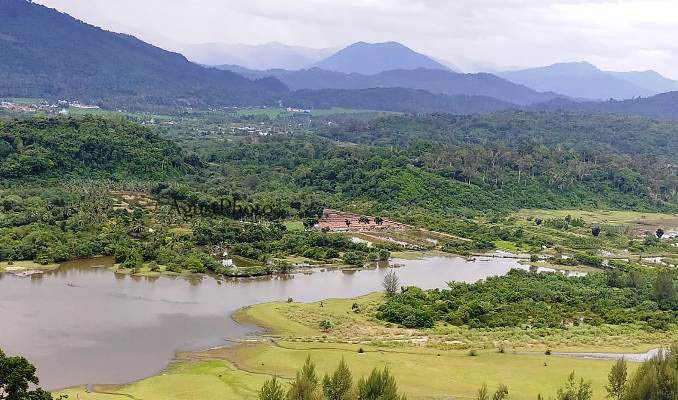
x=60, y=108
x=298, y=110
x=250, y=130
x=7, y=105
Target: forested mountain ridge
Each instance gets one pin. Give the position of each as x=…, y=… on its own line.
x=86, y=148
x=436, y=81
x=48, y=54
x=663, y=105
x=395, y=99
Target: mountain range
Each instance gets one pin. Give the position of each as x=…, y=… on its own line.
x=585, y=81
x=367, y=65
x=436, y=81
x=48, y=54
x=649, y=80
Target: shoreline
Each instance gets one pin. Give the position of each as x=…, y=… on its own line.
x=237, y=359
x=266, y=337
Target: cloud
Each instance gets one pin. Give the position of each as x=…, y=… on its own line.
x=615, y=35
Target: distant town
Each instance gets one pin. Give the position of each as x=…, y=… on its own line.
x=59, y=108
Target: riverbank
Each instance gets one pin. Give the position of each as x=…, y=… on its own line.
x=446, y=364
x=26, y=268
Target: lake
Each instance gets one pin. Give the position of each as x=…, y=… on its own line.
x=84, y=324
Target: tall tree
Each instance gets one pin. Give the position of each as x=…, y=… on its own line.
x=575, y=390
x=18, y=380
x=306, y=385
x=664, y=291
x=380, y=385
x=339, y=386
x=617, y=380
x=391, y=283
x=272, y=390
x=655, y=379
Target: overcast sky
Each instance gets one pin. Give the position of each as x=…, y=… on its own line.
x=472, y=34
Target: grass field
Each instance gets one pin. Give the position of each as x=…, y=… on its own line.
x=300, y=321
x=294, y=226
x=204, y=380
x=421, y=373
x=424, y=370
x=634, y=218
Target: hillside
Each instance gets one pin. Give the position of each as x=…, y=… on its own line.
x=44, y=53
x=663, y=105
x=619, y=134
x=577, y=80
x=373, y=58
x=432, y=80
x=650, y=80
x=530, y=159
x=82, y=148
x=395, y=99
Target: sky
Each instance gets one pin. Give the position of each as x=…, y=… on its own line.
x=471, y=34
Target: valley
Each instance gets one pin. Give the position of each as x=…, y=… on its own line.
x=337, y=219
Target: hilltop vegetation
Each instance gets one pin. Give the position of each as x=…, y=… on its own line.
x=512, y=152
x=82, y=148
x=658, y=106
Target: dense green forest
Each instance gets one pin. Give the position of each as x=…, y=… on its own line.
x=498, y=161
x=65, y=181
x=54, y=149
x=629, y=294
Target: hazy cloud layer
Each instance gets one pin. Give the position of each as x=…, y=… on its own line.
x=473, y=34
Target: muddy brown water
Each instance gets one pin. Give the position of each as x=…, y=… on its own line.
x=83, y=324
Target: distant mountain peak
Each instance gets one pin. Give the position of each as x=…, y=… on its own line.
x=373, y=58
x=577, y=80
